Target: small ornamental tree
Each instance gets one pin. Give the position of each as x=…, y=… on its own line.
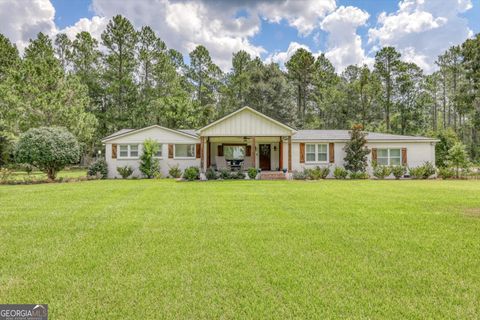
x=356, y=150
x=448, y=138
x=458, y=158
x=149, y=165
x=49, y=149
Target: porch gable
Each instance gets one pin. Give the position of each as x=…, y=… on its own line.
x=246, y=122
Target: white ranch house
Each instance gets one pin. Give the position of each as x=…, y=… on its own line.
x=247, y=138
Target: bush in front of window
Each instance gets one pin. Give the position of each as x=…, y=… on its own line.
x=175, y=172
x=299, y=175
x=125, y=171
x=358, y=175
x=424, y=171
x=380, y=172
x=398, y=171
x=317, y=173
x=252, y=173
x=340, y=173
x=149, y=165
x=191, y=173
x=98, y=169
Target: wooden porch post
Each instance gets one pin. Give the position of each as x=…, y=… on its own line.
x=253, y=152
x=289, y=153
x=280, y=154
x=209, y=153
x=202, y=156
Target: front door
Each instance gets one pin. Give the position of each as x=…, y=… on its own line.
x=264, y=156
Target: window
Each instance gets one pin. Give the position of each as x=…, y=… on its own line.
x=389, y=157
x=184, y=151
x=234, y=152
x=128, y=151
x=159, y=152
x=316, y=152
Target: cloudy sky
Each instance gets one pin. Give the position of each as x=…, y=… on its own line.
x=347, y=31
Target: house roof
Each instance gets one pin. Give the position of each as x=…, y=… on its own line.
x=305, y=135
x=300, y=135
x=191, y=132
x=126, y=132
x=261, y=115
x=119, y=132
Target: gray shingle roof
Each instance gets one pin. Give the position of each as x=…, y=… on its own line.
x=119, y=132
x=306, y=135
x=344, y=135
x=188, y=131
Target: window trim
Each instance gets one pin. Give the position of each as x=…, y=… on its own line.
x=129, y=152
x=389, y=157
x=184, y=158
x=161, y=151
x=316, y=153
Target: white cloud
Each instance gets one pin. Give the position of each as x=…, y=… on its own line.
x=419, y=29
x=94, y=26
x=184, y=25
x=305, y=16
x=344, y=45
x=282, y=57
x=21, y=21
x=422, y=29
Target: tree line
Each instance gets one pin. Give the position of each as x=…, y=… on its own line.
x=130, y=79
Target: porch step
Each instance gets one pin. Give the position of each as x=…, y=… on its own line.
x=272, y=175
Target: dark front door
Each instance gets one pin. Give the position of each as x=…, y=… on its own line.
x=264, y=156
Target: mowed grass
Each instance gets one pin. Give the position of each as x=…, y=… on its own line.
x=158, y=249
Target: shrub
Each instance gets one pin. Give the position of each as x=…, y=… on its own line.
x=359, y=175
x=28, y=168
x=49, y=149
x=324, y=172
x=225, y=174
x=211, y=174
x=340, y=173
x=299, y=175
x=458, y=158
x=317, y=173
x=417, y=172
x=149, y=165
x=98, y=168
x=125, y=172
x=446, y=172
x=398, y=171
x=448, y=138
x=5, y=174
x=424, y=171
x=175, y=172
x=237, y=175
x=380, y=172
x=252, y=173
x=191, y=173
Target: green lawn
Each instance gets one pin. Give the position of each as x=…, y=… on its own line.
x=145, y=249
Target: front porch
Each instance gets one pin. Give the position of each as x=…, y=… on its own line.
x=246, y=139
x=242, y=153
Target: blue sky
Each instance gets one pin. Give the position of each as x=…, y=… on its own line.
x=347, y=31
